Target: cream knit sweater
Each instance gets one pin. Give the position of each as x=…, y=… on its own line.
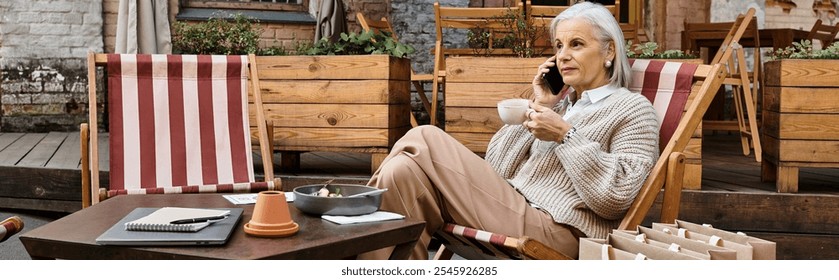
x=590, y=181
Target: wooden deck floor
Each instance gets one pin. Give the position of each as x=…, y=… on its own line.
x=40, y=171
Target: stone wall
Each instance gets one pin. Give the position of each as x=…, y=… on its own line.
x=43, y=50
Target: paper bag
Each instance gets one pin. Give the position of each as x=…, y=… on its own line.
x=763, y=249
x=651, y=252
x=599, y=249
x=747, y=247
x=642, y=238
x=687, y=246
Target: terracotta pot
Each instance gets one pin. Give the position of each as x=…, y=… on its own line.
x=271, y=216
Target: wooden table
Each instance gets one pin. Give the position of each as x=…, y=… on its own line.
x=73, y=237
x=773, y=37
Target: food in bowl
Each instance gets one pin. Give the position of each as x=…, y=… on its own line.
x=308, y=200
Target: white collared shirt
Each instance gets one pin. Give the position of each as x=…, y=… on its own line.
x=589, y=101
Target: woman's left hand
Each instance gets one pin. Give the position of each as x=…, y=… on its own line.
x=545, y=124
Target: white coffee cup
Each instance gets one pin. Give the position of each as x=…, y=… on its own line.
x=513, y=111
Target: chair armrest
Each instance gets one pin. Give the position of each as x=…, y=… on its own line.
x=84, y=137
x=673, y=187
x=9, y=227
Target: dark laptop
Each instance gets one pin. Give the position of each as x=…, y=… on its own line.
x=215, y=234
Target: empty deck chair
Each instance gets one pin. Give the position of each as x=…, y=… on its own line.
x=177, y=124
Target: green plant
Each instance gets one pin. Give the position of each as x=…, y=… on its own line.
x=478, y=40
x=523, y=34
x=519, y=35
x=234, y=35
x=650, y=50
x=804, y=50
x=357, y=43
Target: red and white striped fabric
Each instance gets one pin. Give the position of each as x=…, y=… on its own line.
x=667, y=85
x=495, y=244
x=9, y=227
x=179, y=123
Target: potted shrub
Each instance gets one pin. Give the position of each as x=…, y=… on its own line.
x=351, y=95
x=800, y=109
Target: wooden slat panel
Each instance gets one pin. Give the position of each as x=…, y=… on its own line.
x=473, y=52
x=693, y=149
x=40, y=183
x=462, y=12
x=492, y=70
x=104, y=154
x=801, y=126
x=749, y=212
x=42, y=152
x=801, y=99
x=15, y=151
x=801, y=246
x=693, y=177
x=335, y=115
x=476, y=142
x=481, y=120
x=41, y=204
x=484, y=94
x=68, y=155
x=471, y=23
x=334, y=91
x=335, y=67
x=317, y=138
x=802, y=72
x=7, y=139
x=818, y=151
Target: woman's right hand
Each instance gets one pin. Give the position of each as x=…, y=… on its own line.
x=541, y=91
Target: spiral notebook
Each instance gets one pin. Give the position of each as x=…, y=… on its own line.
x=160, y=219
x=214, y=233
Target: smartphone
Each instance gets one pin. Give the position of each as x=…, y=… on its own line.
x=554, y=79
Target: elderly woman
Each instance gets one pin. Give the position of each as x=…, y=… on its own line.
x=571, y=170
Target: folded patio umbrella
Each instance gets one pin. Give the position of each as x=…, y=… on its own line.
x=331, y=20
x=143, y=27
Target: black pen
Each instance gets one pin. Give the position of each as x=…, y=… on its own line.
x=197, y=220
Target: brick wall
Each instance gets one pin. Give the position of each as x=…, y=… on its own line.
x=43, y=49
x=677, y=13
x=802, y=16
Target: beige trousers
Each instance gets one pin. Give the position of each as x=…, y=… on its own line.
x=432, y=177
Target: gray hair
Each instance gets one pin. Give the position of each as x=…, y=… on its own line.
x=607, y=30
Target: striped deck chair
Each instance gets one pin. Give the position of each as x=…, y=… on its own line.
x=177, y=124
x=667, y=85
x=9, y=227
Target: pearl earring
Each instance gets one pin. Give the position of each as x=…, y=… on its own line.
x=608, y=63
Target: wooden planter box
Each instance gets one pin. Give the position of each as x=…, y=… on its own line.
x=352, y=103
x=800, y=116
x=474, y=85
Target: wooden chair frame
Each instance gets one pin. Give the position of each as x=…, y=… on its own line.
x=91, y=191
x=462, y=18
x=416, y=79
x=542, y=15
x=745, y=84
x=667, y=174
x=826, y=34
